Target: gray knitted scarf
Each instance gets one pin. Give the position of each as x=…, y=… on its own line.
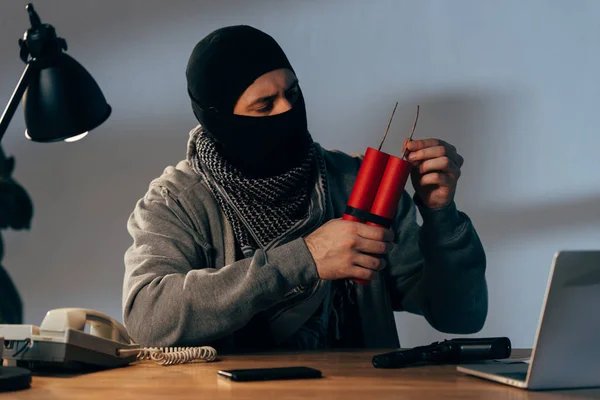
x=261, y=211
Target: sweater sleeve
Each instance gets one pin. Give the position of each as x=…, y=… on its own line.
x=438, y=269
x=173, y=295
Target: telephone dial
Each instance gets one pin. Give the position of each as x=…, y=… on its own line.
x=62, y=342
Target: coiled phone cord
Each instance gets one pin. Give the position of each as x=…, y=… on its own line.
x=173, y=355
x=161, y=355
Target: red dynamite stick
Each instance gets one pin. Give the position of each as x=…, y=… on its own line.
x=389, y=192
x=367, y=181
x=390, y=189
x=366, y=185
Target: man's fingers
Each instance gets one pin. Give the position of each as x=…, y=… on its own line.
x=363, y=274
x=440, y=164
x=437, y=178
x=415, y=145
x=368, y=262
x=434, y=152
x=374, y=232
x=373, y=246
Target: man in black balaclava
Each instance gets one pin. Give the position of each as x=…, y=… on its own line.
x=266, y=164
x=242, y=244
x=263, y=158
x=222, y=66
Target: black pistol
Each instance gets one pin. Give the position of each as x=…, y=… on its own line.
x=448, y=351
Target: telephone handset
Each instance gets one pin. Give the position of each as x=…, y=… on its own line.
x=101, y=325
x=62, y=342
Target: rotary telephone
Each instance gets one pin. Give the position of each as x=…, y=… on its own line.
x=81, y=339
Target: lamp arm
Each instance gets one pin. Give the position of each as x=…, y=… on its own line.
x=13, y=103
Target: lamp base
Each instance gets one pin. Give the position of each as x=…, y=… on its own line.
x=14, y=378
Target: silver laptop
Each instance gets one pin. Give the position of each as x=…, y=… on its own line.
x=566, y=353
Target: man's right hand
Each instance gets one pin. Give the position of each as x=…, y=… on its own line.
x=349, y=250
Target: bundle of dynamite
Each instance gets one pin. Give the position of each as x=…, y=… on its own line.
x=379, y=185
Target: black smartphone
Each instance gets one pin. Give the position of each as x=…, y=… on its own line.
x=269, y=374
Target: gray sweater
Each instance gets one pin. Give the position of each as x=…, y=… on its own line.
x=185, y=285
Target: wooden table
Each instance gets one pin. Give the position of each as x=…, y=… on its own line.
x=348, y=375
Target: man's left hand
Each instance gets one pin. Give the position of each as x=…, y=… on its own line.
x=435, y=172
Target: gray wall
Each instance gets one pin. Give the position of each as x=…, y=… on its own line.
x=513, y=84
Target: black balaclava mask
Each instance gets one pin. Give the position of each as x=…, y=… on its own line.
x=221, y=67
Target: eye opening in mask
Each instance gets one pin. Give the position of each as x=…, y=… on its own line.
x=266, y=104
x=273, y=93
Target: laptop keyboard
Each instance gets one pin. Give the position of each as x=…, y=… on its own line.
x=519, y=376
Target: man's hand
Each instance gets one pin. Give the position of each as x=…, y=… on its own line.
x=348, y=250
x=436, y=169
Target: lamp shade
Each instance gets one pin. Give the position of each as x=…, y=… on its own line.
x=63, y=101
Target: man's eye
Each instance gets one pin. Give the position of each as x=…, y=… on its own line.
x=267, y=107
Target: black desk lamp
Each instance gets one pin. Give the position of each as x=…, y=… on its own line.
x=61, y=102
